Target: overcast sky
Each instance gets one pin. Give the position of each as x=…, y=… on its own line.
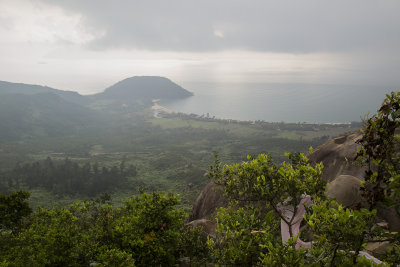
x=87, y=45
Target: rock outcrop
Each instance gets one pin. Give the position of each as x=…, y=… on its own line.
x=341, y=171
x=338, y=155
x=346, y=190
x=209, y=200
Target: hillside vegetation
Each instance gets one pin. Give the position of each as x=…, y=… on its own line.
x=117, y=127
x=148, y=229
x=95, y=168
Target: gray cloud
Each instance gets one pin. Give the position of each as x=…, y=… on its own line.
x=92, y=43
x=209, y=25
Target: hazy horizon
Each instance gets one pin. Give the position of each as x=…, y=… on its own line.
x=86, y=46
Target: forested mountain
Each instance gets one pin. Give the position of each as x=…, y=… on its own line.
x=28, y=111
x=133, y=88
x=144, y=88
x=42, y=114
x=30, y=89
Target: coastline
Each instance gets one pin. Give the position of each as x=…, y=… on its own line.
x=161, y=109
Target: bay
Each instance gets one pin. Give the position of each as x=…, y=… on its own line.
x=279, y=102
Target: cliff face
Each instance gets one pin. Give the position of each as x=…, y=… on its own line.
x=341, y=171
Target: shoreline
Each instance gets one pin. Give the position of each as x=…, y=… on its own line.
x=157, y=107
x=161, y=109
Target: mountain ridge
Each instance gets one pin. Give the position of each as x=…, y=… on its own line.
x=33, y=110
x=33, y=89
x=42, y=114
x=135, y=87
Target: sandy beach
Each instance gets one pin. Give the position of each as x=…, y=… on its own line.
x=156, y=107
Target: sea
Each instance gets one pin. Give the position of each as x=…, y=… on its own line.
x=281, y=102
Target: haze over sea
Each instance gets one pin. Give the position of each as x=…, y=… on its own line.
x=281, y=102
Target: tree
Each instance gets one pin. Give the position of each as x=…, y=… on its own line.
x=246, y=236
x=261, y=179
x=241, y=234
x=149, y=227
x=340, y=233
x=13, y=207
x=148, y=230
x=380, y=144
x=52, y=239
x=258, y=189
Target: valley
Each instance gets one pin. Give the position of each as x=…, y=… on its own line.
x=172, y=152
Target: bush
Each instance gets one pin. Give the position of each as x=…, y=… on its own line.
x=241, y=232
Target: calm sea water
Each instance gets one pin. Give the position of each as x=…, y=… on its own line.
x=312, y=103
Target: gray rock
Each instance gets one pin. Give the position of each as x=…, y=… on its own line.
x=346, y=190
x=338, y=155
x=340, y=169
x=209, y=200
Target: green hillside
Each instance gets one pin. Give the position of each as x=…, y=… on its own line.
x=30, y=89
x=41, y=114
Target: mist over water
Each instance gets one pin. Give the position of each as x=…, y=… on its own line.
x=313, y=103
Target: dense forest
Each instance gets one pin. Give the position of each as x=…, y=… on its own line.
x=67, y=177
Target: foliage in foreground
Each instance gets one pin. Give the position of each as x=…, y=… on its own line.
x=146, y=231
x=241, y=234
x=249, y=236
x=380, y=153
x=13, y=208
